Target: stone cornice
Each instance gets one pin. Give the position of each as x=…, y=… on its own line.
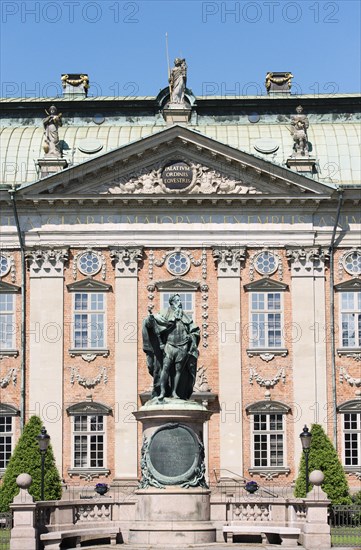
x=229, y=260
x=46, y=262
x=125, y=260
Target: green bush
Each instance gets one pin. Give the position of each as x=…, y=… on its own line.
x=323, y=456
x=26, y=458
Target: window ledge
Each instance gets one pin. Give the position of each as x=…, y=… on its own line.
x=355, y=353
x=89, y=354
x=267, y=354
x=269, y=473
x=353, y=470
x=8, y=353
x=88, y=473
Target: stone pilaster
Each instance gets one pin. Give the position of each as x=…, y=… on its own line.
x=229, y=261
x=310, y=338
x=46, y=341
x=125, y=261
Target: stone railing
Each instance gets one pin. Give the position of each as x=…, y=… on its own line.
x=118, y=510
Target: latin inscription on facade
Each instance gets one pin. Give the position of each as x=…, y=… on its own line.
x=177, y=175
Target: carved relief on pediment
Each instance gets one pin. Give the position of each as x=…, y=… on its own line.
x=205, y=180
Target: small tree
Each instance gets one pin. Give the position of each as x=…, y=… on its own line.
x=323, y=456
x=26, y=458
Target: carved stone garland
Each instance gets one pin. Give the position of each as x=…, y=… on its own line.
x=87, y=382
x=266, y=382
x=344, y=375
x=10, y=377
x=90, y=251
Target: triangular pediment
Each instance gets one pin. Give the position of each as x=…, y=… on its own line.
x=7, y=288
x=89, y=285
x=175, y=163
x=266, y=284
x=177, y=284
x=352, y=284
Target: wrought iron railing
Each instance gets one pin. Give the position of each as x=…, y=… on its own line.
x=6, y=521
x=345, y=523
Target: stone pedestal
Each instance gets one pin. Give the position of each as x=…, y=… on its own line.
x=51, y=165
x=173, y=500
x=177, y=114
x=302, y=164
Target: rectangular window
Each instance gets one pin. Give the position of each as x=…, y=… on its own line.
x=266, y=320
x=268, y=440
x=351, y=319
x=89, y=320
x=7, y=321
x=187, y=299
x=352, y=439
x=6, y=440
x=89, y=441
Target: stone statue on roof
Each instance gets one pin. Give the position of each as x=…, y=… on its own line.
x=51, y=136
x=178, y=81
x=300, y=124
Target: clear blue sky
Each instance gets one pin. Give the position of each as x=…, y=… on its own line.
x=229, y=46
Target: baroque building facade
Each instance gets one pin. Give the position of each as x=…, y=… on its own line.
x=248, y=207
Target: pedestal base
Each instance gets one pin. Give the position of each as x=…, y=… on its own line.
x=173, y=516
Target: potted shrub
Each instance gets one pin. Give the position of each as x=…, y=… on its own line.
x=101, y=488
x=251, y=487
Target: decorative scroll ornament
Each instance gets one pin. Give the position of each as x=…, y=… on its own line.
x=307, y=260
x=229, y=260
x=43, y=262
x=350, y=379
x=201, y=383
x=10, y=377
x=125, y=260
x=88, y=382
x=83, y=80
x=266, y=382
x=204, y=181
x=279, y=80
x=147, y=479
x=97, y=253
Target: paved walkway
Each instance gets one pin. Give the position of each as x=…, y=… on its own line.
x=213, y=546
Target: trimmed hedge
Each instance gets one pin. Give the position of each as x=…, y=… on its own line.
x=323, y=456
x=26, y=458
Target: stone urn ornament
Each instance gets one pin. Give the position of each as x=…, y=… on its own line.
x=101, y=488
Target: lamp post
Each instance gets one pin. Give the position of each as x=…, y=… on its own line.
x=43, y=440
x=305, y=438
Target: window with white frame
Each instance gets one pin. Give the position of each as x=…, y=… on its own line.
x=268, y=440
x=89, y=441
x=352, y=439
x=187, y=300
x=7, y=321
x=89, y=320
x=266, y=320
x=6, y=440
x=350, y=306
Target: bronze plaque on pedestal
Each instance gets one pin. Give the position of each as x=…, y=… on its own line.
x=173, y=454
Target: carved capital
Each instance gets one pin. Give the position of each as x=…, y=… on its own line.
x=305, y=262
x=229, y=260
x=46, y=263
x=126, y=260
